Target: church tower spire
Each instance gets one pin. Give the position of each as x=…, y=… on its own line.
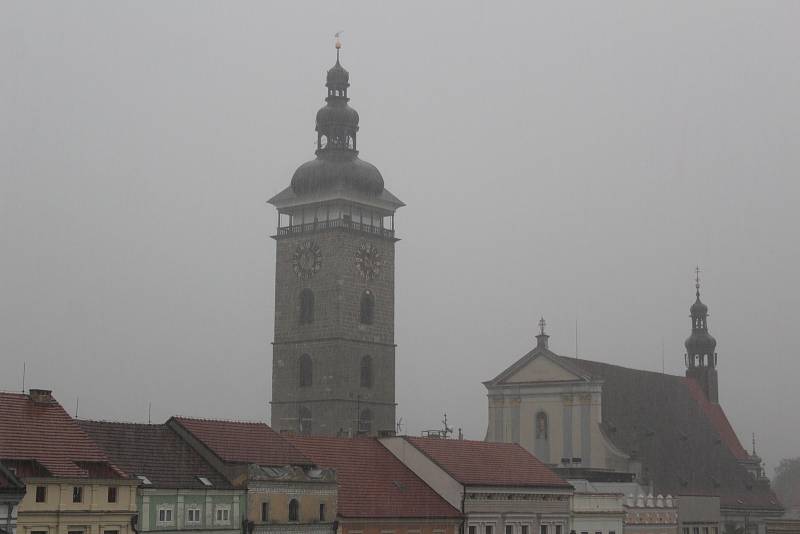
x=701, y=358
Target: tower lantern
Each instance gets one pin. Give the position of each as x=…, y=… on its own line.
x=701, y=358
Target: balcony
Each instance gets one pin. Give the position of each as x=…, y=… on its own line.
x=347, y=224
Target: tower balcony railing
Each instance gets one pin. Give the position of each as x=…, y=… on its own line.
x=347, y=224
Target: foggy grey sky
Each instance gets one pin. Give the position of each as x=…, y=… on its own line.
x=571, y=160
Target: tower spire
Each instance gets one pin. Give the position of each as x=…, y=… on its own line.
x=701, y=358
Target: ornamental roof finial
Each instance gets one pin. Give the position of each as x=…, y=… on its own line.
x=542, y=324
x=697, y=280
x=338, y=43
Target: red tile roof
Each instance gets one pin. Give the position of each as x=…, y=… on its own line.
x=373, y=483
x=482, y=463
x=718, y=419
x=243, y=443
x=43, y=433
x=154, y=451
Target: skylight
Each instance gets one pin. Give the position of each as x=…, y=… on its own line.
x=207, y=483
x=145, y=480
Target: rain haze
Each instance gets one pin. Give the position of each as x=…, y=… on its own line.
x=567, y=160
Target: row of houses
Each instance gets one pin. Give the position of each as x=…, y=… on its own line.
x=59, y=475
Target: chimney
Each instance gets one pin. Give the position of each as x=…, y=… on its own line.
x=41, y=396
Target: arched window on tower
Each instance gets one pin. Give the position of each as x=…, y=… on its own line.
x=305, y=420
x=365, y=421
x=306, y=371
x=306, y=306
x=367, y=307
x=366, y=372
x=294, y=510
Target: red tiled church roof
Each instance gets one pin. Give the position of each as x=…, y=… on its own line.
x=372, y=482
x=244, y=443
x=43, y=437
x=718, y=419
x=154, y=451
x=488, y=464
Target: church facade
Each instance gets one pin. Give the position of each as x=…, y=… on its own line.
x=333, y=366
x=669, y=432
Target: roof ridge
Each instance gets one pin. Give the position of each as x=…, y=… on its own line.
x=595, y=362
x=213, y=420
x=129, y=423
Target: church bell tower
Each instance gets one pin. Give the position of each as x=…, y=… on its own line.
x=701, y=358
x=333, y=361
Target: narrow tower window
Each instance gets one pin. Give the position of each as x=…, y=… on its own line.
x=366, y=372
x=305, y=420
x=365, y=421
x=294, y=510
x=306, y=371
x=306, y=306
x=367, y=307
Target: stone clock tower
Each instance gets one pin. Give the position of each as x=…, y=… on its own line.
x=333, y=361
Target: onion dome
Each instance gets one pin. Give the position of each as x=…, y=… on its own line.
x=700, y=342
x=337, y=165
x=330, y=171
x=698, y=308
x=338, y=75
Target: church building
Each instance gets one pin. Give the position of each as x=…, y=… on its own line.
x=333, y=364
x=669, y=432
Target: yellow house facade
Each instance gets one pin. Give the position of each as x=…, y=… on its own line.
x=77, y=506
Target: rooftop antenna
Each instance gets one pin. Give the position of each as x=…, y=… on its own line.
x=23, y=376
x=77, y=404
x=662, y=356
x=576, y=339
x=400, y=427
x=149, y=406
x=754, y=443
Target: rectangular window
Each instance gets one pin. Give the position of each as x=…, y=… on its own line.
x=165, y=515
x=598, y=532
x=487, y=529
x=41, y=493
x=473, y=529
x=543, y=529
x=74, y=532
x=509, y=529
x=713, y=530
x=264, y=512
x=112, y=494
x=612, y=532
x=111, y=532
x=322, y=511
x=524, y=529
x=695, y=530
x=558, y=529
x=685, y=530
x=77, y=494
x=705, y=530
x=193, y=515
x=223, y=515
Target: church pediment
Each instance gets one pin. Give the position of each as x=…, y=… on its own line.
x=538, y=366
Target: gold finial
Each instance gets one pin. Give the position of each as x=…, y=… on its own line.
x=338, y=42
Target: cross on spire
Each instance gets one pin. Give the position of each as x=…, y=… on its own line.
x=542, y=324
x=697, y=279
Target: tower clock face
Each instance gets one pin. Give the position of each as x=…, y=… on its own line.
x=307, y=259
x=368, y=261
